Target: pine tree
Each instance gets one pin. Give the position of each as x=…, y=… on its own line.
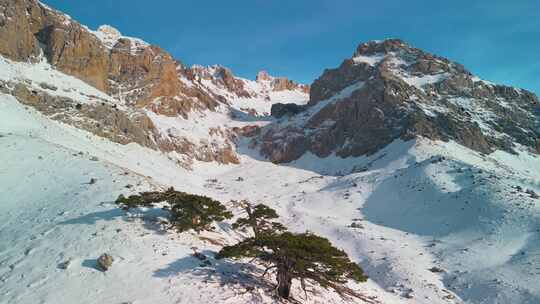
x=187, y=211
x=305, y=256
x=259, y=218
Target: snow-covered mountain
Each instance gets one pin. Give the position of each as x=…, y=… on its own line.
x=426, y=175
x=151, y=97
x=390, y=90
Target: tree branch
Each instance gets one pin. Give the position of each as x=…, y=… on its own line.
x=266, y=270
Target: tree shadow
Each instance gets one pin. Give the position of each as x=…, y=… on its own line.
x=426, y=209
x=222, y=271
x=94, y=217
x=152, y=218
x=92, y=264
x=333, y=165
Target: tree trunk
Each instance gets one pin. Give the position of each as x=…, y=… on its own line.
x=284, y=280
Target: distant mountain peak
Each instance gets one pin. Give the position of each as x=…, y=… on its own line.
x=381, y=46
x=263, y=76
x=390, y=90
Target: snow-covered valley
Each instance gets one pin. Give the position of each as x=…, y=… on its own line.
x=425, y=175
x=436, y=222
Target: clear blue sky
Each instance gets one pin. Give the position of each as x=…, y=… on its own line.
x=495, y=39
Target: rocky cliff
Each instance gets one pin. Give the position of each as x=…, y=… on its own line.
x=144, y=84
x=387, y=90
x=390, y=90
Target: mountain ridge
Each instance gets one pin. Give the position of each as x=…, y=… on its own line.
x=398, y=92
x=389, y=90
x=144, y=83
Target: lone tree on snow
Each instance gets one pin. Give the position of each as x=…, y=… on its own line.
x=305, y=256
x=259, y=218
x=187, y=211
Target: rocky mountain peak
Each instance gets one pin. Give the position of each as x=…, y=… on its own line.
x=389, y=90
x=381, y=47
x=263, y=76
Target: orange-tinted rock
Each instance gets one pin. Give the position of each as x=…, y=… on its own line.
x=75, y=51
x=19, y=21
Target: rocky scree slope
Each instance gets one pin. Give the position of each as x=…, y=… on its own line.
x=142, y=84
x=390, y=90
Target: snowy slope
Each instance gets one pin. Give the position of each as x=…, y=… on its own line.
x=259, y=95
x=430, y=222
x=416, y=211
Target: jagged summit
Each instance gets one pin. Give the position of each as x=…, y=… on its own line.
x=263, y=76
x=386, y=90
x=389, y=90
x=382, y=46
x=143, y=85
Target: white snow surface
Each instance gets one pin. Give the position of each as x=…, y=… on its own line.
x=372, y=60
x=37, y=74
x=461, y=215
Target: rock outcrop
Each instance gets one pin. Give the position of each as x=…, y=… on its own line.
x=104, y=262
x=286, y=109
x=281, y=83
x=253, y=98
x=390, y=90
x=123, y=67
x=221, y=77
x=140, y=76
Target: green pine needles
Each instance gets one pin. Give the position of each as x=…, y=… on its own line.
x=304, y=256
x=187, y=211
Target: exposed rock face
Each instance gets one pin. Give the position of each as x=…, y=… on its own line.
x=104, y=262
x=102, y=118
x=142, y=77
x=73, y=50
x=390, y=90
x=26, y=24
x=19, y=21
x=221, y=77
x=151, y=78
x=145, y=75
x=281, y=109
x=248, y=98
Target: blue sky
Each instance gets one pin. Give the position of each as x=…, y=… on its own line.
x=497, y=39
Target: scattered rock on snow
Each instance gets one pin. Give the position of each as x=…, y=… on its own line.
x=533, y=194
x=356, y=225
x=105, y=262
x=47, y=86
x=64, y=265
x=198, y=255
x=409, y=294
x=436, y=269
